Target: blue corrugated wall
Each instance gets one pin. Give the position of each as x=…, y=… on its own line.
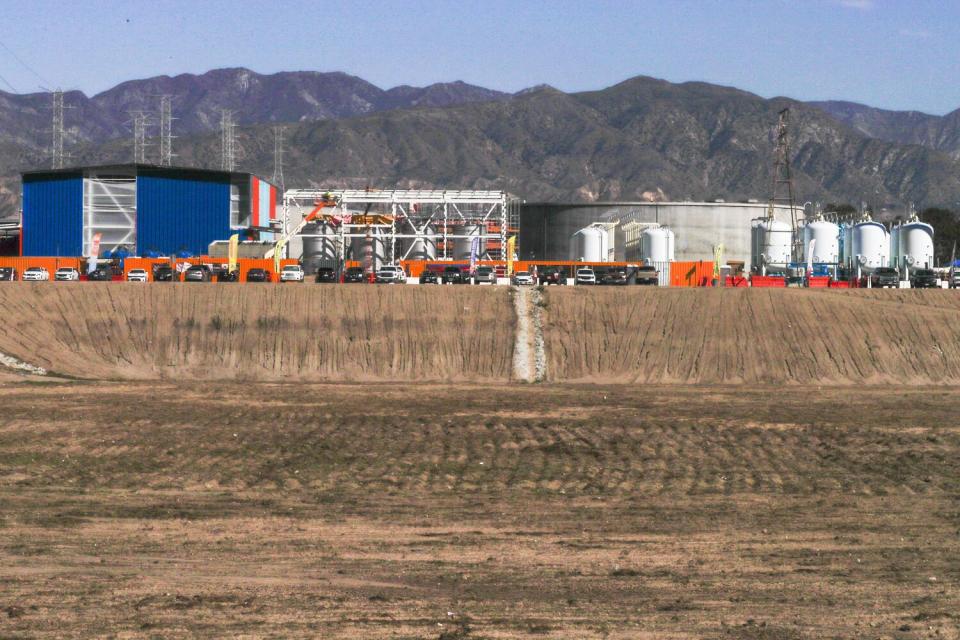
x=181, y=211
x=53, y=215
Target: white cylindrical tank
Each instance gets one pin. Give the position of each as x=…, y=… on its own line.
x=320, y=246
x=826, y=249
x=774, y=241
x=657, y=245
x=589, y=245
x=870, y=246
x=423, y=248
x=463, y=246
x=915, y=245
x=370, y=251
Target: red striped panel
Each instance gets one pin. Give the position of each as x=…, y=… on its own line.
x=255, y=202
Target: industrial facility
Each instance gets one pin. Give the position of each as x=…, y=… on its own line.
x=144, y=209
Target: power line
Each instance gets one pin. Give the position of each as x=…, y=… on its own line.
x=7, y=82
x=43, y=80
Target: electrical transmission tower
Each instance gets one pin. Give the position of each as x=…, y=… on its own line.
x=166, y=138
x=58, y=129
x=278, y=157
x=782, y=192
x=140, y=121
x=228, y=141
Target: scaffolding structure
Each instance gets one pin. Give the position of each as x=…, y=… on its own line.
x=110, y=209
x=399, y=220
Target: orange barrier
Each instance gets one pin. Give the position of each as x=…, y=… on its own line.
x=818, y=282
x=691, y=274
x=50, y=264
x=839, y=284
x=768, y=281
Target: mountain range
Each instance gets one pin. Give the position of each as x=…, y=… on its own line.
x=690, y=140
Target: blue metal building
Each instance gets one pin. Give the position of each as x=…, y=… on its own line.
x=144, y=209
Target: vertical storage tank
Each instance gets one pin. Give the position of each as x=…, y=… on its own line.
x=772, y=245
x=915, y=245
x=657, y=245
x=870, y=246
x=423, y=248
x=462, y=246
x=589, y=245
x=826, y=237
x=319, y=246
x=369, y=251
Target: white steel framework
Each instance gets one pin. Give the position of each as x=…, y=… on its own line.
x=432, y=217
x=110, y=208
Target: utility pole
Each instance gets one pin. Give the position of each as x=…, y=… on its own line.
x=228, y=153
x=58, y=129
x=278, y=157
x=782, y=192
x=166, y=138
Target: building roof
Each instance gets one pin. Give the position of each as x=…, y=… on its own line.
x=137, y=168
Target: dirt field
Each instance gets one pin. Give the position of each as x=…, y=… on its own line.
x=228, y=510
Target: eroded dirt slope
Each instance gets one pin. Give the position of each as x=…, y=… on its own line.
x=752, y=335
x=305, y=332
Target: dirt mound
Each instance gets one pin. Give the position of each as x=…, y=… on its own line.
x=304, y=332
x=752, y=336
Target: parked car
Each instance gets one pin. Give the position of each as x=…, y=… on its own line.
x=100, y=274
x=291, y=273
x=390, y=274
x=455, y=275
x=551, y=275
x=66, y=274
x=884, y=277
x=924, y=279
x=486, y=275
x=164, y=274
x=326, y=275
x=36, y=274
x=258, y=275
x=615, y=276
x=225, y=275
x=954, y=279
x=522, y=278
x=647, y=275
x=585, y=276
x=137, y=275
x=8, y=274
x=197, y=273
x=429, y=277
x=354, y=275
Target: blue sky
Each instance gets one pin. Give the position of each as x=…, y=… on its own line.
x=896, y=54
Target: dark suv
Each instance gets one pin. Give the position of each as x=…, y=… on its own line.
x=326, y=275
x=615, y=276
x=429, y=277
x=884, y=277
x=163, y=274
x=551, y=275
x=258, y=275
x=354, y=274
x=924, y=279
x=455, y=275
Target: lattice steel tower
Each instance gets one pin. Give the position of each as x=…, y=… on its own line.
x=140, y=120
x=782, y=191
x=58, y=128
x=166, y=137
x=228, y=150
x=278, y=157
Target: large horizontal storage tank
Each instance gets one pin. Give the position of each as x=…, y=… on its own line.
x=915, y=245
x=422, y=248
x=320, y=246
x=826, y=242
x=870, y=246
x=657, y=245
x=589, y=245
x=463, y=246
x=772, y=245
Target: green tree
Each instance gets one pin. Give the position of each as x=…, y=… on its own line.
x=946, y=231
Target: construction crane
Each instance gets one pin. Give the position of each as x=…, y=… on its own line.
x=327, y=201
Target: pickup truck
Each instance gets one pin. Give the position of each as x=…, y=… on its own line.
x=647, y=276
x=884, y=277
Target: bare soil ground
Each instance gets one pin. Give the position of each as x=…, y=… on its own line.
x=176, y=510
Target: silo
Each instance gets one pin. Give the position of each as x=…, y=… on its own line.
x=826, y=248
x=870, y=246
x=657, y=245
x=320, y=246
x=463, y=246
x=588, y=245
x=773, y=241
x=916, y=245
x=422, y=248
